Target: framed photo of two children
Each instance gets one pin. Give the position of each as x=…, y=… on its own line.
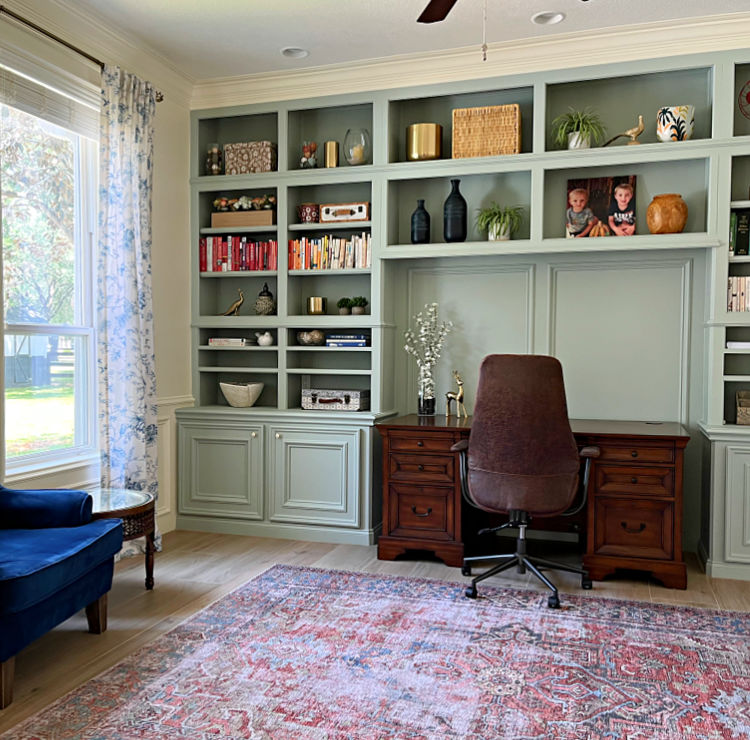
x=600, y=206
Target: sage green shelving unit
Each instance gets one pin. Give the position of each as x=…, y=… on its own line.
x=539, y=292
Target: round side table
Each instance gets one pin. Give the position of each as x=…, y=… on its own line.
x=136, y=509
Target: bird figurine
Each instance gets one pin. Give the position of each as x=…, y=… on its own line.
x=633, y=133
x=234, y=309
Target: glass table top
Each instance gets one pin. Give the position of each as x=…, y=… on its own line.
x=117, y=499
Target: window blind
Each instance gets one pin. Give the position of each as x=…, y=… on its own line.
x=80, y=115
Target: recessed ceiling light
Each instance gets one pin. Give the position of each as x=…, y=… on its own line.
x=294, y=52
x=547, y=18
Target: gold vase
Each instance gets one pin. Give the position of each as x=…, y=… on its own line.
x=666, y=214
x=317, y=305
x=424, y=141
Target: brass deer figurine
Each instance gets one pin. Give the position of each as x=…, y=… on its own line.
x=457, y=396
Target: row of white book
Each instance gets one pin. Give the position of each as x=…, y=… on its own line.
x=738, y=293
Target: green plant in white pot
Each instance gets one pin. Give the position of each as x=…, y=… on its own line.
x=577, y=129
x=500, y=222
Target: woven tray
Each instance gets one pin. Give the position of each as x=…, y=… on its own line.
x=487, y=131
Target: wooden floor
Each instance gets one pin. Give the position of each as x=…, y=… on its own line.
x=196, y=569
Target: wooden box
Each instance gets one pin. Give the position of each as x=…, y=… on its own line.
x=487, y=131
x=331, y=212
x=232, y=219
x=743, y=407
x=249, y=156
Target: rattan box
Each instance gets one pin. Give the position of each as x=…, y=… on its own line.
x=486, y=131
x=743, y=407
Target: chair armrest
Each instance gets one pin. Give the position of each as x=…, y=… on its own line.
x=43, y=509
x=589, y=452
x=460, y=446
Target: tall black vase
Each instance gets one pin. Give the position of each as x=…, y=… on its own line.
x=420, y=225
x=454, y=215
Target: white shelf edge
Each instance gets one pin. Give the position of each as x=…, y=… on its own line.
x=736, y=378
x=240, y=273
x=326, y=371
x=250, y=347
x=243, y=370
x=739, y=203
x=739, y=259
x=340, y=271
x=323, y=348
x=334, y=226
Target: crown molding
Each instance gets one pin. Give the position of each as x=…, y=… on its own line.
x=92, y=33
x=645, y=41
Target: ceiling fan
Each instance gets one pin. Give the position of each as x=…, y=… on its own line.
x=436, y=10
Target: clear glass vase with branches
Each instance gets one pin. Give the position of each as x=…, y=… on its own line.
x=425, y=344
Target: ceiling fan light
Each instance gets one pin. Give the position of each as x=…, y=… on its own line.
x=547, y=18
x=294, y=52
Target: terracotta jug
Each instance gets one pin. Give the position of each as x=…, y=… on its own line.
x=666, y=214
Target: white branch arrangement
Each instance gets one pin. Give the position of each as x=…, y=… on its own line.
x=425, y=344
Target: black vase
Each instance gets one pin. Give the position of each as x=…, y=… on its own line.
x=420, y=225
x=454, y=215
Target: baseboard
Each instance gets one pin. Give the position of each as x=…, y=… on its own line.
x=733, y=571
x=280, y=531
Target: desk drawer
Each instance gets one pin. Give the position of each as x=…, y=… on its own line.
x=654, y=481
x=421, y=468
x=422, y=442
x=633, y=529
x=421, y=511
x=637, y=453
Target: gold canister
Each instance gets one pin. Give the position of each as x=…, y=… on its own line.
x=423, y=141
x=317, y=305
x=332, y=154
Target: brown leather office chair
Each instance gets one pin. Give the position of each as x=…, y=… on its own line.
x=521, y=457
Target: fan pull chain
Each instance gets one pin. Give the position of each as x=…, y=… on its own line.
x=484, y=32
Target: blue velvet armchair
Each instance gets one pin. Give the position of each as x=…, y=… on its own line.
x=54, y=561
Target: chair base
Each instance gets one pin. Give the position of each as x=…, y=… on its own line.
x=523, y=563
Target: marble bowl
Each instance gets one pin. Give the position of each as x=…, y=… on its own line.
x=241, y=395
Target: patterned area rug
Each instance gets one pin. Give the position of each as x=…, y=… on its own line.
x=327, y=655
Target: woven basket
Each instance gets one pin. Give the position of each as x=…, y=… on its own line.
x=487, y=131
x=743, y=407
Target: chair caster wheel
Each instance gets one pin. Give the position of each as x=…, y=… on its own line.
x=553, y=602
x=586, y=584
x=471, y=592
x=465, y=570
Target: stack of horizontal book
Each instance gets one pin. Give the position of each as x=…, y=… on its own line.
x=346, y=340
x=229, y=342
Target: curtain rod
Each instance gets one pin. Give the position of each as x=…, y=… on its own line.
x=49, y=35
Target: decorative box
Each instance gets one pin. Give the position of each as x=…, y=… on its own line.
x=249, y=156
x=232, y=219
x=330, y=212
x=743, y=407
x=315, y=398
x=487, y=131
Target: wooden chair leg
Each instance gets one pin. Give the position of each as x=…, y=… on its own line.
x=96, y=614
x=7, y=669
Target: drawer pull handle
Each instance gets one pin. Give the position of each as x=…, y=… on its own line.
x=634, y=453
x=420, y=468
x=420, y=443
x=414, y=511
x=634, y=480
x=633, y=530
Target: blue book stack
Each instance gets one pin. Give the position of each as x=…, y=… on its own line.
x=346, y=340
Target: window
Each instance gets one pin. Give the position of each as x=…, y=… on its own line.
x=47, y=201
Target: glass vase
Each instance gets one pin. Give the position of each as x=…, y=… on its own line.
x=357, y=147
x=426, y=392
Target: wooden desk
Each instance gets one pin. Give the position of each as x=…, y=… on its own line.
x=634, y=512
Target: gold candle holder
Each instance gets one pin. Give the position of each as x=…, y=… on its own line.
x=424, y=141
x=332, y=154
x=317, y=305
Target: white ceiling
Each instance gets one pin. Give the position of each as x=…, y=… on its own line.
x=240, y=37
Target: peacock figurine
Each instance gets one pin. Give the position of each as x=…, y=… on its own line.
x=234, y=309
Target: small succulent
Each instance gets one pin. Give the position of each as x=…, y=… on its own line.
x=359, y=300
x=344, y=303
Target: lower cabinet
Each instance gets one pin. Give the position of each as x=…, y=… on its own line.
x=309, y=476
x=725, y=517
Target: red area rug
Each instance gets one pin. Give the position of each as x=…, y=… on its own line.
x=327, y=655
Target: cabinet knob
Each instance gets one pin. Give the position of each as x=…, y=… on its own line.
x=420, y=467
x=634, y=453
x=420, y=443
x=278, y=435
x=634, y=480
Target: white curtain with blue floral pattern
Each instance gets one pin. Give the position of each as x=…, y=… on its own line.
x=125, y=337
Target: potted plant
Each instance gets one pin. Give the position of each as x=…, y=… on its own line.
x=578, y=128
x=344, y=305
x=500, y=222
x=359, y=302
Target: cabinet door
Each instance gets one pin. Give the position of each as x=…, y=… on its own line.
x=314, y=475
x=737, y=543
x=221, y=470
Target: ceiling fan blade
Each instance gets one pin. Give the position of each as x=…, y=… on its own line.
x=436, y=10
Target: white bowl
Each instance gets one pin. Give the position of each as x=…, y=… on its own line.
x=241, y=395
